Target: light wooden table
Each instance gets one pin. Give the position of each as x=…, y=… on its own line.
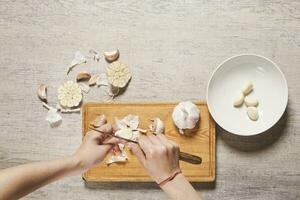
x=172, y=48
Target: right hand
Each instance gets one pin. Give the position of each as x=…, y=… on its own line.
x=158, y=155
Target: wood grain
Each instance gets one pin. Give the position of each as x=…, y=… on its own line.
x=172, y=47
x=200, y=142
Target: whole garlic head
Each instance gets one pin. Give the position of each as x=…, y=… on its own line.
x=118, y=74
x=69, y=94
x=185, y=115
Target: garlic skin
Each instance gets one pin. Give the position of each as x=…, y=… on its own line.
x=42, y=92
x=185, y=115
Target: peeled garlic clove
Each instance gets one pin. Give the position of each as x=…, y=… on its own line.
x=239, y=100
x=124, y=133
x=94, y=79
x=252, y=113
x=83, y=76
x=251, y=102
x=99, y=121
x=247, y=88
x=157, y=126
x=42, y=92
x=111, y=56
x=185, y=115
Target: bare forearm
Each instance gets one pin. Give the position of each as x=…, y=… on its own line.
x=20, y=180
x=180, y=189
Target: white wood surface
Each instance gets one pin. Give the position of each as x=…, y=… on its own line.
x=172, y=48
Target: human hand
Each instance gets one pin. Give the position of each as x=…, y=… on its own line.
x=93, y=149
x=158, y=155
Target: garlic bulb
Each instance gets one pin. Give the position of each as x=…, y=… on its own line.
x=118, y=74
x=69, y=94
x=185, y=115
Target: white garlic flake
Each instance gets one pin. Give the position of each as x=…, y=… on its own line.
x=79, y=58
x=53, y=117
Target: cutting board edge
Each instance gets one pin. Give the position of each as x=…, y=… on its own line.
x=210, y=178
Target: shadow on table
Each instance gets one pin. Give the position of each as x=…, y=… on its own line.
x=138, y=186
x=256, y=142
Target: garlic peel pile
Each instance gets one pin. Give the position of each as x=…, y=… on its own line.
x=69, y=94
x=124, y=133
x=185, y=115
x=118, y=74
x=120, y=158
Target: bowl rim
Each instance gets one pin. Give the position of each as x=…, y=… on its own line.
x=255, y=55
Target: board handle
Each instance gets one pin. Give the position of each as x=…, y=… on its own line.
x=190, y=158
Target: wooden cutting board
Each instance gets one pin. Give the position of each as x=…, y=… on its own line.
x=200, y=142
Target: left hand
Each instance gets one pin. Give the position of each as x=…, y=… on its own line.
x=94, y=148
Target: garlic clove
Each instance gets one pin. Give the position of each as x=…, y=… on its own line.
x=247, y=88
x=99, y=121
x=83, y=76
x=157, y=126
x=251, y=101
x=252, y=113
x=111, y=56
x=94, y=79
x=239, y=100
x=42, y=92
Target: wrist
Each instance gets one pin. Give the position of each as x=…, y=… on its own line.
x=177, y=180
x=76, y=164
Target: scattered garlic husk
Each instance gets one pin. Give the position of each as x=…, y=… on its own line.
x=94, y=79
x=69, y=94
x=102, y=81
x=42, y=92
x=118, y=74
x=79, y=58
x=124, y=133
x=185, y=115
x=111, y=56
x=129, y=122
x=83, y=76
x=132, y=121
x=99, y=121
x=96, y=56
x=157, y=126
x=120, y=158
x=84, y=87
x=53, y=117
x=69, y=110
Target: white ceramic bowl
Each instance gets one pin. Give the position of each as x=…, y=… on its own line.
x=270, y=88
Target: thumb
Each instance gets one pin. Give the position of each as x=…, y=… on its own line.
x=137, y=151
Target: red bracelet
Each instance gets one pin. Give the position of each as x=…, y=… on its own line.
x=173, y=175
